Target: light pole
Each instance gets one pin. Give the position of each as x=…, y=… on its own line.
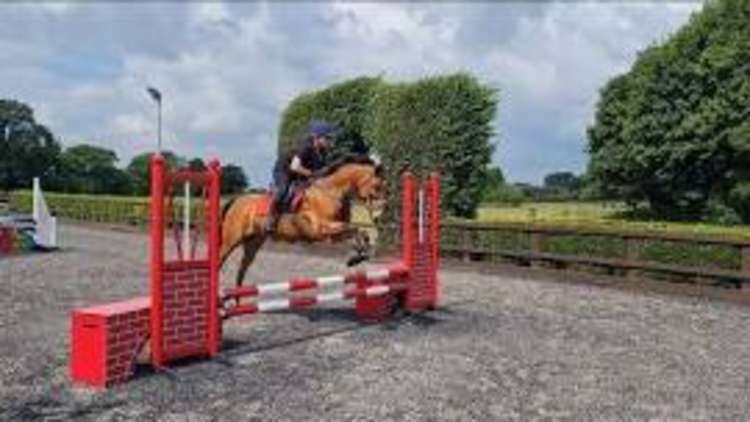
x=156, y=96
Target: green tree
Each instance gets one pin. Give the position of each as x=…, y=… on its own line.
x=563, y=180
x=91, y=169
x=233, y=179
x=494, y=181
x=494, y=176
x=674, y=131
x=27, y=148
x=139, y=166
x=196, y=164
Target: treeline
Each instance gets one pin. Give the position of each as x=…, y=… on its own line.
x=673, y=133
x=29, y=149
x=441, y=123
x=557, y=186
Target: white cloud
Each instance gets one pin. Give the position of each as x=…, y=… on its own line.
x=395, y=38
x=227, y=70
x=209, y=13
x=57, y=7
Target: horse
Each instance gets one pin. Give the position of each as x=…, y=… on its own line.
x=323, y=212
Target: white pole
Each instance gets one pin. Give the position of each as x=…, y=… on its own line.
x=53, y=232
x=186, y=221
x=36, y=211
x=45, y=225
x=420, y=206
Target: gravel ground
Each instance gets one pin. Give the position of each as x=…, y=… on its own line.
x=499, y=348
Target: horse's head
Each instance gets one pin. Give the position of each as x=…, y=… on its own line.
x=364, y=182
x=368, y=185
x=361, y=177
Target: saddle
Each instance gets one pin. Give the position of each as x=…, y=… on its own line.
x=293, y=198
x=290, y=203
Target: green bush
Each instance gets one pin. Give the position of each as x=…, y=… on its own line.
x=442, y=123
x=717, y=212
x=739, y=200
x=111, y=209
x=90, y=208
x=505, y=194
x=345, y=104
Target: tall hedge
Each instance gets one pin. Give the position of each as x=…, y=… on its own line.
x=441, y=123
x=345, y=104
x=675, y=130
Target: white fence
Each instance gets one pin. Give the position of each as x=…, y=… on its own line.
x=46, y=225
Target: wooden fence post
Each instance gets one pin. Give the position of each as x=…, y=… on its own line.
x=745, y=265
x=632, y=255
x=466, y=244
x=537, y=240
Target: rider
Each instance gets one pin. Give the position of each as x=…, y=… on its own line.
x=301, y=164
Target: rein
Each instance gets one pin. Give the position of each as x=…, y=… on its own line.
x=326, y=188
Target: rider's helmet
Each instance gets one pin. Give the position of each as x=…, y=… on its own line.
x=323, y=129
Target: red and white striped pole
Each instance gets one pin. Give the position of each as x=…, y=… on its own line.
x=304, y=302
x=344, y=287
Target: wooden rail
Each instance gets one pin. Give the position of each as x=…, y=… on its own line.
x=531, y=245
x=469, y=242
x=630, y=262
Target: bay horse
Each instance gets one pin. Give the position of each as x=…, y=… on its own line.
x=323, y=212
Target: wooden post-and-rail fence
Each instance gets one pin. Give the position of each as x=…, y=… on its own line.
x=703, y=259
x=530, y=244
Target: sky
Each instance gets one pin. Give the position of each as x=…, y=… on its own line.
x=228, y=70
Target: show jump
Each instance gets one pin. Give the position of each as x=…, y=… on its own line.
x=182, y=316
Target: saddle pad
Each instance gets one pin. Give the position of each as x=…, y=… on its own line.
x=263, y=204
x=297, y=201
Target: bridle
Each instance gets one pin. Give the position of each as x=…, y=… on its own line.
x=369, y=202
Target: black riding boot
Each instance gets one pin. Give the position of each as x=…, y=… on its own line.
x=275, y=210
x=272, y=219
x=281, y=183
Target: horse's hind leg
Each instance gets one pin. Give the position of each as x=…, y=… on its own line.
x=250, y=248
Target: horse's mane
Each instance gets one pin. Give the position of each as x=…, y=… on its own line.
x=348, y=159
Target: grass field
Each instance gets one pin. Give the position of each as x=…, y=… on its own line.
x=590, y=215
x=597, y=215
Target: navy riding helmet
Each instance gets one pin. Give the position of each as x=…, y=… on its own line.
x=322, y=128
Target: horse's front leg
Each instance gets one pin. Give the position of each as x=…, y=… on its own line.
x=313, y=228
x=361, y=245
x=334, y=229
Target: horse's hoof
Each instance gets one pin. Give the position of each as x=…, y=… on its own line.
x=355, y=260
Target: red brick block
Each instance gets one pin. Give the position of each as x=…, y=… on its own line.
x=105, y=340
